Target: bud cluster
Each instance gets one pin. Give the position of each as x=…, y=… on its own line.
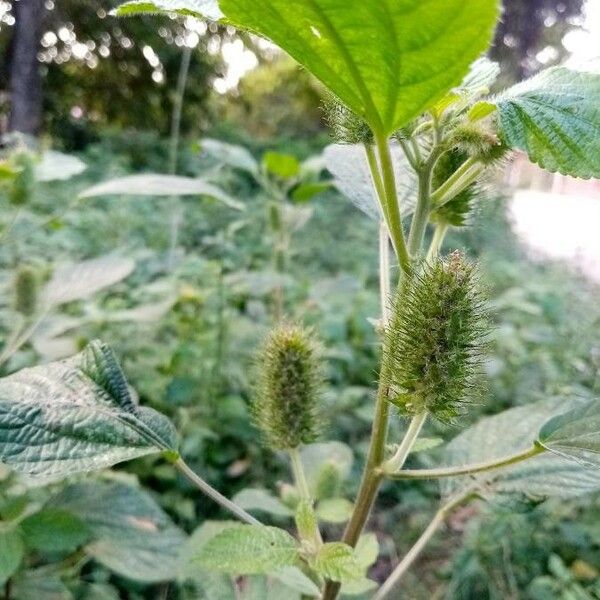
x=435, y=341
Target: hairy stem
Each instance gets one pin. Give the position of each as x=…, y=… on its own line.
x=438, y=239
x=413, y=553
x=299, y=474
x=414, y=429
x=461, y=179
x=207, y=489
x=466, y=469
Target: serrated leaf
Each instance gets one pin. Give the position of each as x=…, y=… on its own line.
x=248, y=549
x=512, y=431
x=555, y=118
x=575, y=434
x=336, y=561
x=208, y=9
x=255, y=499
x=131, y=534
x=76, y=415
x=232, y=155
x=154, y=184
x=84, y=279
x=11, y=551
x=54, y=530
x=389, y=60
x=352, y=176
x=56, y=166
x=334, y=510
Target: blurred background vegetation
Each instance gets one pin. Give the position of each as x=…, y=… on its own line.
x=186, y=325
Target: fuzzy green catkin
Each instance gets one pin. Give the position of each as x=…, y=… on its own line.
x=286, y=399
x=435, y=341
x=26, y=291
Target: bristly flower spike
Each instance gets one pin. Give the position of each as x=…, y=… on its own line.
x=290, y=378
x=435, y=341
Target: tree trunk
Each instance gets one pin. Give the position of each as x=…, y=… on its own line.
x=25, y=81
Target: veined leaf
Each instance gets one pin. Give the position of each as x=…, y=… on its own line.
x=336, y=561
x=575, y=434
x=76, y=415
x=555, y=118
x=131, y=535
x=248, y=549
x=153, y=184
x=54, y=530
x=208, y=9
x=387, y=60
x=512, y=431
x=82, y=280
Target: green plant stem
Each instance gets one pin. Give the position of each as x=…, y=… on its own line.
x=207, y=489
x=461, y=179
x=299, y=474
x=412, y=433
x=384, y=271
x=438, y=239
x=438, y=519
x=466, y=469
x=391, y=208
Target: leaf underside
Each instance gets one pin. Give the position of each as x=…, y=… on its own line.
x=388, y=60
x=208, y=9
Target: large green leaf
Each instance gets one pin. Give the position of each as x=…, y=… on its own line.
x=575, y=434
x=131, y=535
x=387, y=60
x=39, y=584
x=248, y=549
x=555, y=118
x=513, y=431
x=11, y=551
x=208, y=9
x=54, y=530
x=76, y=415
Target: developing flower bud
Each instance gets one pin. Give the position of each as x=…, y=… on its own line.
x=435, y=341
x=286, y=399
x=346, y=127
x=26, y=291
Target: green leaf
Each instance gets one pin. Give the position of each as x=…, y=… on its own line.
x=254, y=499
x=11, y=551
x=482, y=74
x=575, y=434
x=426, y=443
x=76, y=415
x=56, y=166
x=306, y=520
x=153, y=184
x=131, y=535
x=307, y=191
x=388, y=60
x=555, y=118
x=295, y=579
x=367, y=550
x=38, y=584
x=512, y=431
x=230, y=154
x=321, y=459
x=54, y=530
x=84, y=279
x=334, y=510
x=285, y=166
x=248, y=549
x=336, y=561
x=208, y=9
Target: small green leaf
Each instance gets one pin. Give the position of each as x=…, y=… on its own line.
x=254, y=499
x=208, y=9
x=307, y=191
x=285, y=166
x=230, y=154
x=248, y=549
x=152, y=184
x=54, y=530
x=367, y=550
x=295, y=579
x=336, y=561
x=389, y=60
x=554, y=117
x=11, y=551
x=76, y=415
x=306, y=520
x=334, y=510
x=575, y=434
x=131, y=535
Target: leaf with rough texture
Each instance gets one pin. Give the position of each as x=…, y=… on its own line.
x=231, y=155
x=555, y=118
x=336, y=561
x=575, y=434
x=131, y=535
x=348, y=164
x=334, y=510
x=154, y=184
x=208, y=9
x=248, y=549
x=82, y=280
x=76, y=415
x=388, y=60
x=512, y=431
x=255, y=499
x=11, y=551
